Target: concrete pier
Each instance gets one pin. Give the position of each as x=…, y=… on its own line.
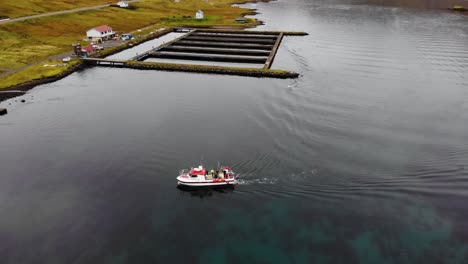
x=208, y=50
x=251, y=32
x=250, y=72
x=237, y=46
x=209, y=57
x=98, y=61
x=231, y=40
x=269, y=61
x=145, y=55
x=234, y=35
x=257, y=47
x=224, y=45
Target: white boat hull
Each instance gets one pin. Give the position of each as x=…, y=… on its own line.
x=192, y=184
x=203, y=182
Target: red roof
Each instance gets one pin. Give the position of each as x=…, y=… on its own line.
x=103, y=28
x=89, y=48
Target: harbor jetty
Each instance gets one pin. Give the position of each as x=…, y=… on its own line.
x=232, y=46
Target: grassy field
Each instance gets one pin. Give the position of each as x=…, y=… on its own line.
x=33, y=40
x=19, y=8
x=41, y=70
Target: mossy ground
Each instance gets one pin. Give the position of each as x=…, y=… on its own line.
x=38, y=71
x=19, y=8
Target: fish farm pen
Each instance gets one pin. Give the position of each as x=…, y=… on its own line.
x=227, y=46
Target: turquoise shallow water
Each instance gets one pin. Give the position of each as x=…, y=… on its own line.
x=361, y=160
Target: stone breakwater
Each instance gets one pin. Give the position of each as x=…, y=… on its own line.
x=250, y=72
x=20, y=89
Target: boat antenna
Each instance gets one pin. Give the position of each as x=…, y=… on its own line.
x=218, y=165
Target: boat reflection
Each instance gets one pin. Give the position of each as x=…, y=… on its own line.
x=205, y=191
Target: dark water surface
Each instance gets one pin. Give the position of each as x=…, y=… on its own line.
x=363, y=159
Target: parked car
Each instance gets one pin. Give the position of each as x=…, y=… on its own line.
x=126, y=36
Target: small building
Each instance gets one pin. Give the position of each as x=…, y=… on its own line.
x=123, y=4
x=100, y=33
x=88, y=50
x=241, y=20
x=199, y=15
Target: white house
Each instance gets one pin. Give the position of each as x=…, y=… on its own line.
x=199, y=15
x=100, y=33
x=123, y=4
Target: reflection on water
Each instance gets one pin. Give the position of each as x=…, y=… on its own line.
x=363, y=159
x=203, y=192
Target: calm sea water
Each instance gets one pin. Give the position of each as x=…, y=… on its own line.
x=363, y=159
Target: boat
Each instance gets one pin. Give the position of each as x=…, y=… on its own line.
x=458, y=8
x=201, y=177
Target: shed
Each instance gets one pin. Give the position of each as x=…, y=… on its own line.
x=199, y=15
x=101, y=33
x=88, y=50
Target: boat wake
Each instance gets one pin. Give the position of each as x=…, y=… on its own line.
x=256, y=181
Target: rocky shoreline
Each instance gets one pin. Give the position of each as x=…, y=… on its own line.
x=20, y=89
